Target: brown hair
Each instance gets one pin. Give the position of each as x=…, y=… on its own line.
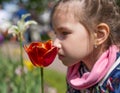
x=95, y=12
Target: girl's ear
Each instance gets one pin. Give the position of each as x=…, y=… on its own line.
x=101, y=34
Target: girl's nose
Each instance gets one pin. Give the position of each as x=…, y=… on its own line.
x=57, y=43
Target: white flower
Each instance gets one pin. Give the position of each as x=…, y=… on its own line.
x=21, y=26
x=29, y=23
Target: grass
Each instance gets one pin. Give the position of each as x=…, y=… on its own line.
x=55, y=79
x=9, y=79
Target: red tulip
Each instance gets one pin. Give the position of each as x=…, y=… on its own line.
x=41, y=54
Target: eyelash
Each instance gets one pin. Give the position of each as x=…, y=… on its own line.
x=64, y=33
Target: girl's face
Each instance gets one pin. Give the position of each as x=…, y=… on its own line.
x=72, y=39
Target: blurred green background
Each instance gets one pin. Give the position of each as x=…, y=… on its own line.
x=11, y=76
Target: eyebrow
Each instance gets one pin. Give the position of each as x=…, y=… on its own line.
x=63, y=28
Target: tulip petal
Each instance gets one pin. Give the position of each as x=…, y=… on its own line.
x=48, y=44
x=31, y=59
x=35, y=44
x=40, y=62
x=50, y=56
x=33, y=55
x=41, y=54
x=40, y=51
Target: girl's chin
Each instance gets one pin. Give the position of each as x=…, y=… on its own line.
x=68, y=64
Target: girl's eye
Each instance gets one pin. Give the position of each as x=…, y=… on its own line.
x=64, y=33
x=54, y=32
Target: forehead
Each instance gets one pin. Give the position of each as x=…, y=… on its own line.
x=69, y=10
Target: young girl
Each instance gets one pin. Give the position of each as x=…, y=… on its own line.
x=88, y=38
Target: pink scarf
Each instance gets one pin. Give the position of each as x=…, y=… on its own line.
x=99, y=70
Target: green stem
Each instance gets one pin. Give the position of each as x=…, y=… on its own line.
x=21, y=60
x=8, y=52
x=42, y=80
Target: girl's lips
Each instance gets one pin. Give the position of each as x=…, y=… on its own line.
x=60, y=56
